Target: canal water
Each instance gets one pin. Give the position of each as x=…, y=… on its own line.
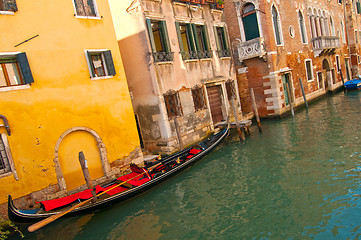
x=299, y=179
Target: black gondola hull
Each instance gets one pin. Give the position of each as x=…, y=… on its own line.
x=20, y=216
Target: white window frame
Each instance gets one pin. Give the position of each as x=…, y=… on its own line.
x=88, y=17
x=313, y=76
x=338, y=63
x=90, y=68
x=9, y=157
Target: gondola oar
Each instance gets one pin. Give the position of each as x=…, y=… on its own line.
x=52, y=218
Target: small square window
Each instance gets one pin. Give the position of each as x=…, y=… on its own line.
x=4, y=159
x=198, y=98
x=100, y=63
x=8, y=5
x=85, y=8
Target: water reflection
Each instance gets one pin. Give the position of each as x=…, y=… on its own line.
x=300, y=179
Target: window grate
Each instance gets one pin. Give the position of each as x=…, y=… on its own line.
x=173, y=106
x=198, y=98
x=4, y=160
x=231, y=91
x=85, y=8
x=8, y=5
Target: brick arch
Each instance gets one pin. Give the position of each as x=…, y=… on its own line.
x=101, y=147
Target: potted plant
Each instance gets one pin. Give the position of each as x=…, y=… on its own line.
x=220, y=4
x=195, y=1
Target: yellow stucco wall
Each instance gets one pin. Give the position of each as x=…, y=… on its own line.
x=63, y=95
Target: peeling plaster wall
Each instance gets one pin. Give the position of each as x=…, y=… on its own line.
x=149, y=80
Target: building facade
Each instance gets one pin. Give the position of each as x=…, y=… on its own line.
x=353, y=35
x=63, y=90
x=287, y=44
x=179, y=68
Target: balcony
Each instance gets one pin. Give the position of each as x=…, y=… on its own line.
x=251, y=49
x=325, y=45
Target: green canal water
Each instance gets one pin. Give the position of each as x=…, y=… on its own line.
x=299, y=179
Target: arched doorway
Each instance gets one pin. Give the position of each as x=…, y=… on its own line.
x=328, y=73
x=66, y=159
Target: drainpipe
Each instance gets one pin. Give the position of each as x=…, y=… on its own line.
x=6, y=124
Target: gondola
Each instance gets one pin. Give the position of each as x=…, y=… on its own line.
x=155, y=172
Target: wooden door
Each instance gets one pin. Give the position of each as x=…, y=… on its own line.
x=215, y=103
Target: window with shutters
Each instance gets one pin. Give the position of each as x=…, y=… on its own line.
x=159, y=41
x=309, y=70
x=172, y=103
x=198, y=98
x=14, y=70
x=100, y=63
x=86, y=8
x=8, y=5
x=193, y=41
x=222, y=41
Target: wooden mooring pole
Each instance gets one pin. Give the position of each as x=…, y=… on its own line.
x=86, y=174
x=254, y=105
x=303, y=93
x=235, y=112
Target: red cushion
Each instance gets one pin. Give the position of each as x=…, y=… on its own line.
x=194, y=151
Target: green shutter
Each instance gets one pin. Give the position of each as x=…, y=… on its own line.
x=190, y=37
x=25, y=67
x=358, y=6
x=225, y=38
x=207, y=45
x=165, y=38
x=181, y=47
x=109, y=63
x=196, y=40
x=150, y=33
x=250, y=26
x=216, y=36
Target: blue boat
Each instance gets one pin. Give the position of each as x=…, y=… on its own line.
x=353, y=84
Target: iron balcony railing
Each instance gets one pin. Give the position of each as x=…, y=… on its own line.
x=163, y=56
x=325, y=42
x=224, y=53
x=188, y=55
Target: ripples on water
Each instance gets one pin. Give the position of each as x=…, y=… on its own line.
x=300, y=179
